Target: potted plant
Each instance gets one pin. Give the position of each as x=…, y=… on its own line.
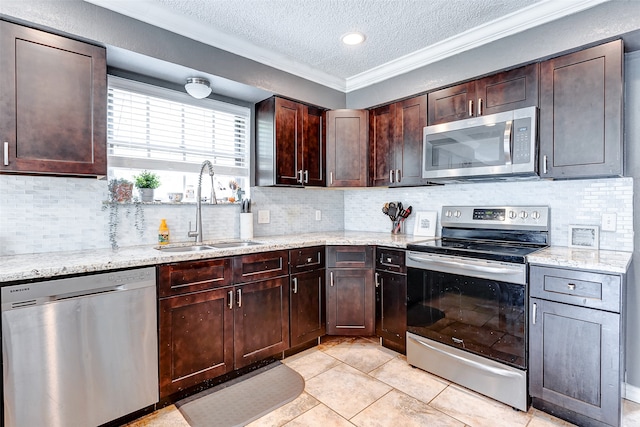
x=146, y=182
x=120, y=190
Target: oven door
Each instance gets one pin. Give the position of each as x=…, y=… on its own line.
x=475, y=305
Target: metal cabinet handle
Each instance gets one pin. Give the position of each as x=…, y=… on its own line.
x=295, y=285
x=6, y=153
x=331, y=178
x=377, y=276
x=391, y=176
x=571, y=286
x=299, y=176
x=398, y=175
x=231, y=300
x=331, y=278
x=479, y=106
x=306, y=176
x=471, y=108
x=544, y=164
x=239, y=297
x=534, y=313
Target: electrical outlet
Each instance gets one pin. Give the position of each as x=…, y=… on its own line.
x=318, y=215
x=264, y=217
x=609, y=222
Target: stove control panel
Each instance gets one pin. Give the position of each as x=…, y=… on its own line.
x=505, y=217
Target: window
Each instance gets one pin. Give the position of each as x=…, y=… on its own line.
x=171, y=134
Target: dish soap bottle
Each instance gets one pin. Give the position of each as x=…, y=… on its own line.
x=163, y=232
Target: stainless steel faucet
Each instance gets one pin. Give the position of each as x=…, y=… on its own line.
x=197, y=233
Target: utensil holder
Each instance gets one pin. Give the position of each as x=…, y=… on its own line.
x=397, y=227
x=246, y=225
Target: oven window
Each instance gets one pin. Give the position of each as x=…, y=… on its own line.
x=482, y=316
x=466, y=148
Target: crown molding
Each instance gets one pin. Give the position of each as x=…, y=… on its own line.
x=537, y=14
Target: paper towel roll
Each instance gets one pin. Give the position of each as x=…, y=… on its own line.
x=246, y=225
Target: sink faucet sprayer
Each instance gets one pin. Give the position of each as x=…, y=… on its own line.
x=197, y=233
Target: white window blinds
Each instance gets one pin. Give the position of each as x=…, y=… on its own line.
x=159, y=129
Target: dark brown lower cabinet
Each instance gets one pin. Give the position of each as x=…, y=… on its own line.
x=350, y=302
x=391, y=309
x=195, y=338
x=308, y=320
x=261, y=320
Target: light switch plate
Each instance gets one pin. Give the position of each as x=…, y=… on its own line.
x=318, y=215
x=608, y=222
x=264, y=217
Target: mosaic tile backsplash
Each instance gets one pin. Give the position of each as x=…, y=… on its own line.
x=52, y=214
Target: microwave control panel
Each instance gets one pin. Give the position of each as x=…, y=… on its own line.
x=521, y=141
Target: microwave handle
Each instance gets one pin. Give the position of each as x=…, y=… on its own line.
x=507, y=141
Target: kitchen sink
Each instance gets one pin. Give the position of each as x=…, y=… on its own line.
x=195, y=248
x=234, y=244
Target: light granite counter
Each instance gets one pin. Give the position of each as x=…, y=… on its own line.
x=583, y=259
x=19, y=268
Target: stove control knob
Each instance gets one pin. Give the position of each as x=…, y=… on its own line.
x=524, y=214
x=457, y=214
x=447, y=214
x=535, y=215
x=513, y=214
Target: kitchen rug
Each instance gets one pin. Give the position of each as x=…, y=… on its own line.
x=245, y=399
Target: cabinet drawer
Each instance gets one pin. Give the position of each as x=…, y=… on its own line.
x=390, y=260
x=185, y=277
x=306, y=259
x=349, y=256
x=264, y=265
x=583, y=288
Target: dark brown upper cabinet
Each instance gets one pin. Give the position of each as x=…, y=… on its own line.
x=290, y=147
x=347, y=134
x=395, y=145
x=508, y=90
x=581, y=109
x=53, y=103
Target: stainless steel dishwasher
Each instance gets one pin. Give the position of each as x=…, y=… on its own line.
x=79, y=351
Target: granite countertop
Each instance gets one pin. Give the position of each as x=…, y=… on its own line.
x=19, y=268
x=584, y=259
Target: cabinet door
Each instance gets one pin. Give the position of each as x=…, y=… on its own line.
x=308, y=320
x=195, y=339
x=391, y=309
x=288, y=144
x=313, y=163
x=192, y=276
x=347, y=135
x=411, y=118
x=261, y=320
x=581, y=97
x=54, y=100
x=508, y=90
x=574, y=358
x=381, y=146
x=452, y=103
x=350, y=302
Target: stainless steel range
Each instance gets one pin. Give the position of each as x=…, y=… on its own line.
x=467, y=298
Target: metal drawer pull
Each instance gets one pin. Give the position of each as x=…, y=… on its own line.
x=331, y=177
x=376, y=280
x=231, y=300
x=471, y=108
x=534, y=313
x=398, y=175
x=391, y=176
x=544, y=164
x=306, y=176
x=571, y=286
x=6, y=154
x=331, y=278
x=299, y=177
x=479, y=106
x=239, y=297
x=295, y=285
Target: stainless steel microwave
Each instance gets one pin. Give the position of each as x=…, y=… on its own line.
x=502, y=145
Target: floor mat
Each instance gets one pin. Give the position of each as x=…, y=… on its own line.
x=244, y=399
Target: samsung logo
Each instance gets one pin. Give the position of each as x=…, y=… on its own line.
x=13, y=291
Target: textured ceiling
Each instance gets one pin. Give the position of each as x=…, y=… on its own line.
x=303, y=36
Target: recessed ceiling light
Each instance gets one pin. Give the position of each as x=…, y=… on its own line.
x=353, y=38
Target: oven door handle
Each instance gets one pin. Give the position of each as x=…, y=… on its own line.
x=491, y=369
x=467, y=265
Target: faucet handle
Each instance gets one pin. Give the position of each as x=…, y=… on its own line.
x=192, y=233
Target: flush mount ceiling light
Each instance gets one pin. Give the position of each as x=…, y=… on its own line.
x=198, y=87
x=353, y=38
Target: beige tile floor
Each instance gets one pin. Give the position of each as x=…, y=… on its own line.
x=356, y=382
